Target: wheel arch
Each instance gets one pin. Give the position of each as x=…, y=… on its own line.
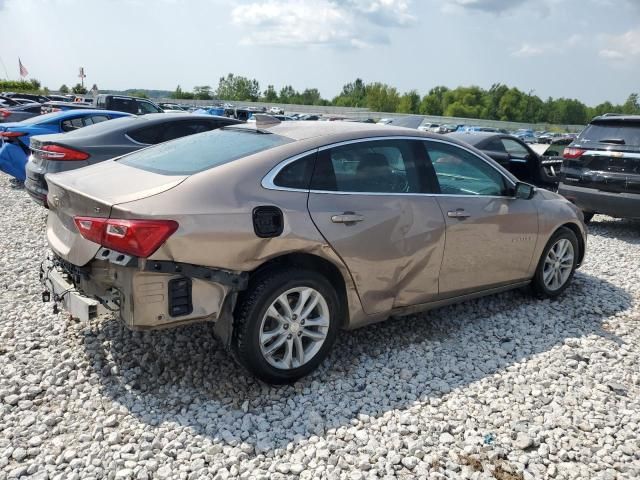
x=579, y=235
x=315, y=263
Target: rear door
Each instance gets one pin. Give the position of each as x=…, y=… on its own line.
x=490, y=236
x=367, y=199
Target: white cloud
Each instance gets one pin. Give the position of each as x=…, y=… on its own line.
x=350, y=23
x=527, y=50
x=625, y=46
x=492, y=6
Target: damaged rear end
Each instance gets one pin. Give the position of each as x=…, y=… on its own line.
x=100, y=260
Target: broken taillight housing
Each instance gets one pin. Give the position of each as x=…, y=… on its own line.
x=571, y=153
x=139, y=238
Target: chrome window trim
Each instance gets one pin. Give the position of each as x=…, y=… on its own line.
x=126, y=135
x=268, y=180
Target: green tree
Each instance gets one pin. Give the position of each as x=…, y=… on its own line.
x=433, y=102
x=353, y=95
x=409, y=103
x=63, y=89
x=202, y=92
x=236, y=87
x=288, y=94
x=79, y=89
x=382, y=97
x=632, y=105
x=270, y=94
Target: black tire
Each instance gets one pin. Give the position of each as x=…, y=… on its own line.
x=538, y=285
x=588, y=216
x=251, y=308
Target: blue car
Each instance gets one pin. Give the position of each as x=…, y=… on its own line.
x=15, y=137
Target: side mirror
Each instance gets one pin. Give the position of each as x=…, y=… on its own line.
x=525, y=191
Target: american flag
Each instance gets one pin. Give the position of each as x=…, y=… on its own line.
x=23, y=71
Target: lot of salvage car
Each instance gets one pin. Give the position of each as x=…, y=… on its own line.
x=505, y=383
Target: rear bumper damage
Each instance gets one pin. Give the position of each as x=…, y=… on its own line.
x=145, y=294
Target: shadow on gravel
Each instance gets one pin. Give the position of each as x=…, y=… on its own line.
x=182, y=376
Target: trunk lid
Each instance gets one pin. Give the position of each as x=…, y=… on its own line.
x=91, y=192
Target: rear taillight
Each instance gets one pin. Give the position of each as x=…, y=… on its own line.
x=58, y=152
x=139, y=238
x=12, y=134
x=572, y=153
x=4, y=113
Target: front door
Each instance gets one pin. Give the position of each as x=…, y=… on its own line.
x=367, y=199
x=490, y=235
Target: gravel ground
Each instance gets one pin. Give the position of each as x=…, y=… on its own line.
x=505, y=387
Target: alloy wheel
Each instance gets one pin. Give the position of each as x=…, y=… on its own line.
x=558, y=264
x=294, y=328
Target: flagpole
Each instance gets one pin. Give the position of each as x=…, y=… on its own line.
x=5, y=68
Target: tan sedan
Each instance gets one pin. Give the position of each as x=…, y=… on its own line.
x=283, y=234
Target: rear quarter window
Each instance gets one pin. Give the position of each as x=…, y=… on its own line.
x=196, y=153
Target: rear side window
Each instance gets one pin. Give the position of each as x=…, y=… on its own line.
x=124, y=105
x=147, y=135
x=146, y=107
x=96, y=119
x=385, y=166
x=622, y=133
x=195, y=153
x=72, y=124
x=297, y=174
x=183, y=128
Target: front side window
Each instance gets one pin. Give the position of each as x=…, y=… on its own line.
x=460, y=172
x=386, y=166
x=514, y=148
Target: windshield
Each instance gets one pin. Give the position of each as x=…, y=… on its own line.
x=625, y=132
x=196, y=153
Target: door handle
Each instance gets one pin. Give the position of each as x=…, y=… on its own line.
x=458, y=213
x=348, y=218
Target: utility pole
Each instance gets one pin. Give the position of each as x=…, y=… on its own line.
x=82, y=76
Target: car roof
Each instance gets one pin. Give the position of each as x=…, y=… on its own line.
x=474, y=138
x=616, y=118
x=303, y=130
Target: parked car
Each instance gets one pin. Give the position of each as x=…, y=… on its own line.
x=516, y=156
x=525, y=135
x=276, y=110
x=601, y=169
x=16, y=137
x=119, y=103
x=171, y=108
x=283, y=235
x=59, y=153
x=10, y=102
x=27, y=96
x=19, y=113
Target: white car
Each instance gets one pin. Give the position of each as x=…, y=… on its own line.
x=276, y=110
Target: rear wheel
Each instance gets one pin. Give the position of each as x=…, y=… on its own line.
x=285, y=324
x=557, y=264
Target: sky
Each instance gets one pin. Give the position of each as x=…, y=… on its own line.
x=584, y=49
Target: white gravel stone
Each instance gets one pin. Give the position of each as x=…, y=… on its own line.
x=538, y=388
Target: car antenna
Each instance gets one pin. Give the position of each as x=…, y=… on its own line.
x=265, y=121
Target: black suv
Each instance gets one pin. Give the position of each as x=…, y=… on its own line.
x=601, y=168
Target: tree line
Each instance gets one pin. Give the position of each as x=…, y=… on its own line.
x=499, y=102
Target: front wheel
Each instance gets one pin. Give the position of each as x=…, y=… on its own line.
x=557, y=264
x=285, y=324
